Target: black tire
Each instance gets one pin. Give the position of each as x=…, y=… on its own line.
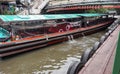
x=96, y=46
x=102, y=39
x=75, y=67
x=115, y=27
x=86, y=55
x=109, y=27
x=110, y=31
x=106, y=35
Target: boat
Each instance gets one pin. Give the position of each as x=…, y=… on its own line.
x=21, y=33
x=78, y=7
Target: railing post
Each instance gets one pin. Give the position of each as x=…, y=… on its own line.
x=116, y=68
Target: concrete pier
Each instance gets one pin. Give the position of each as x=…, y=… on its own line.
x=103, y=60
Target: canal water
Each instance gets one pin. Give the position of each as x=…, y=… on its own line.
x=54, y=59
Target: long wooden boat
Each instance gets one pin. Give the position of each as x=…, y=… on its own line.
x=78, y=7
x=21, y=33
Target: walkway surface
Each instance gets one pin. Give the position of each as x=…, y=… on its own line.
x=103, y=59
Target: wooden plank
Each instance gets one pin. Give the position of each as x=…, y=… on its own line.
x=100, y=60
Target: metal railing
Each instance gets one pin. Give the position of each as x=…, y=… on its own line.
x=116, y=68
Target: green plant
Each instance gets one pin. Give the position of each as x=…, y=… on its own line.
x=101, y=10
x=90, y=11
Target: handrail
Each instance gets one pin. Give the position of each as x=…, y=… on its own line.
x=116, y=68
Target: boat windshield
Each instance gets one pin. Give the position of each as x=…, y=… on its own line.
x=55, y=27
x=34, y=28
x=4, y=35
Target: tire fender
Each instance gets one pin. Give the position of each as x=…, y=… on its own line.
x=109, y=31
x=86, y=55
x=96, y=46
x=102, y=39
x=106, y=35
x=74, y=67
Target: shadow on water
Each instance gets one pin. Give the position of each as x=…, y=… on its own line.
x=49, y=60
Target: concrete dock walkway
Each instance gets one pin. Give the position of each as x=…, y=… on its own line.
x=103, y=59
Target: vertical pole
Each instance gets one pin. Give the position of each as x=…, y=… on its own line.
x=28, y=8
x=0, y=8
x=116, y=68
x=29, y=1
x=45, y=32
x=11, y=32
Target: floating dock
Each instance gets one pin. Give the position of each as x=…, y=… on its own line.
x=103, y=59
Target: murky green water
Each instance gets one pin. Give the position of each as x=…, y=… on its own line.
x=49, y=60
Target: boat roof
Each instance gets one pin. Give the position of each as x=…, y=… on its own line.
x=16, y=18
x=91, y=14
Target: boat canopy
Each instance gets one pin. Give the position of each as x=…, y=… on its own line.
x=16, y=18
x=91, y=14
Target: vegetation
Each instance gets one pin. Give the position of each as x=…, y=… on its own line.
x=102, y=10
x=9, y=12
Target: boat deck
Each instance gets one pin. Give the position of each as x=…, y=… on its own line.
x=103, y=59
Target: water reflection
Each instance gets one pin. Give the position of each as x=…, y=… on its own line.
x=49, y=60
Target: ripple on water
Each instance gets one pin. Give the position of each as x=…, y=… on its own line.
x=49, y=60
